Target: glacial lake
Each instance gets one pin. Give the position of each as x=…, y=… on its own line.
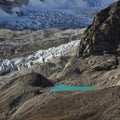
x=63, y=87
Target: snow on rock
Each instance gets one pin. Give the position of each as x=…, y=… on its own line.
x=40, y=56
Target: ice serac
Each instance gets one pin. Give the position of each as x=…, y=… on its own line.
x=103, y=35
x=44, y=14
x=40, y=56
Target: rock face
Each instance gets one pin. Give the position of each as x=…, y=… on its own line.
x=104, y=33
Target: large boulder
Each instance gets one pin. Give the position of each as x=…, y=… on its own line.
x=104, y=33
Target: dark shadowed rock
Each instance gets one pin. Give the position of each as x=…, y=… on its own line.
x=37, y=80
x=104, y=33
x=19, y=90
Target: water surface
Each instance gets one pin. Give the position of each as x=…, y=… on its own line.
x=63, y=87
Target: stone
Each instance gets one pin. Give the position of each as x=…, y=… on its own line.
x=103, y=34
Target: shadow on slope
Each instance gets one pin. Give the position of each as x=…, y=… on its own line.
x=19, y=90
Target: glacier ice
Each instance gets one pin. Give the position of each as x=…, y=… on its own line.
x=62, y=14
x=38, y=57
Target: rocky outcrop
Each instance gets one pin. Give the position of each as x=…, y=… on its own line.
x=104, y=33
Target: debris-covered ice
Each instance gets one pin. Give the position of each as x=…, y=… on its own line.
x=40, y=56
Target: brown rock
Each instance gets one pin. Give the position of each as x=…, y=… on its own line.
x=103, y=34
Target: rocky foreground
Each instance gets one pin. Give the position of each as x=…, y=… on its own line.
x=24, y=95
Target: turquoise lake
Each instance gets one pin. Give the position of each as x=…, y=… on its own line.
x=63, y=87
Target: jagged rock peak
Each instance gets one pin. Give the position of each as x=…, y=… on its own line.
x=103, y=35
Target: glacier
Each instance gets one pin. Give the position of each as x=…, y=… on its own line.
x=44, y=14
x=40, y=56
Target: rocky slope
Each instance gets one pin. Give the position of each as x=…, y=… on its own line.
x=21, y=88
x=24, y=95
x=101, y=105
x=103, y=34
x=22, y=43
x=20, y=49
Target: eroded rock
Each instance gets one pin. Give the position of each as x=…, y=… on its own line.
x=103, y=36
